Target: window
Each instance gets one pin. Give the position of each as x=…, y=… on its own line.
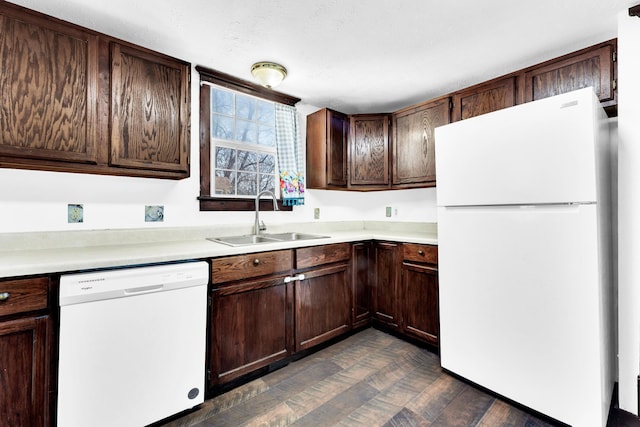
x=238, y=149
x=244, y=144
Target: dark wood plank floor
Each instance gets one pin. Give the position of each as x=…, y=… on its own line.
x=369, y=379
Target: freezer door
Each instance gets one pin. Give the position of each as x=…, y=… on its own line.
x=523, y=307
x=539, y=152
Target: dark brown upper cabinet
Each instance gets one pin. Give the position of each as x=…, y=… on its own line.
x=413, y=159
x=75, y=100
x=369, y=151
x=410, y=157
x=149, y=109
x=327, y=136
x=48, y=88
x=593, y=66
x=484, y=98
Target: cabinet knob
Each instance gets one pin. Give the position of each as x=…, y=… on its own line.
x=4, y=296
x=256, y=261
x=420, y=252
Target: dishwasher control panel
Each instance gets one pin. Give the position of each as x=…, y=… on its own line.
x=122, y=282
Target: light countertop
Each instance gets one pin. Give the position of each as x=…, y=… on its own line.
x=58, y=252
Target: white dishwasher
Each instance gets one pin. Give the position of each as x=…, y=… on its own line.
x=132, y=344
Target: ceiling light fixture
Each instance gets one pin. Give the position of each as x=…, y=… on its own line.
x=268, y=74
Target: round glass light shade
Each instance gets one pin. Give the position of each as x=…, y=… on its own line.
x=268, y=74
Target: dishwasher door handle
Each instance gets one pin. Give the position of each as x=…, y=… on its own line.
x=143, y=290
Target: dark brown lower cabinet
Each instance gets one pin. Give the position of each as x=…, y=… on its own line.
x=250, y=327
x=266, y=306
x=23, y=372
x=360, y=284
x=386, y=279
x=26, y=348
x=323, y=305
x=420, y=303
x=419, y=292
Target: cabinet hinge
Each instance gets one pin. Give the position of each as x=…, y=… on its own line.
x=614, y=56
x=615, y=85
x=209, y=301
x=208, y=374
x=450, y=105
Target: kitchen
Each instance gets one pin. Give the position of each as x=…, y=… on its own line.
x=37, y=201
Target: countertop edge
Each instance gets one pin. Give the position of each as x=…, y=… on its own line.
x=71, y=259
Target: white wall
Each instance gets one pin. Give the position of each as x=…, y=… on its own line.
x=628, y=210
x=37, y=200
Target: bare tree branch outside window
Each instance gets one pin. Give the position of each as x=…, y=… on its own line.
x=243, y=134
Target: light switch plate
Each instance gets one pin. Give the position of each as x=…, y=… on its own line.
x=388, y=212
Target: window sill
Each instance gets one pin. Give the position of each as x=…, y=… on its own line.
x=208, y=203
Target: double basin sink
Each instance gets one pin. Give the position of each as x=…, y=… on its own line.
x=254, y=239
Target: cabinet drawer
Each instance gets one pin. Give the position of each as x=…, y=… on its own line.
x=318, y=255
x=22, y=295
x=246, y=266
x=420, y=253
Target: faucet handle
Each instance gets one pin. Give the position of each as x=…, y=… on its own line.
x=262, y=226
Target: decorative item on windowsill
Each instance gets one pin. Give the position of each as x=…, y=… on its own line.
x=268, y=74
x=292, y=188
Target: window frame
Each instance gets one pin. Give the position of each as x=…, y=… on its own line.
x=209, y=202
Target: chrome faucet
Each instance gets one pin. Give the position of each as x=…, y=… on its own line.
x=257, y=228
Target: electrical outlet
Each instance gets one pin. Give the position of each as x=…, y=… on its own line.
x=316, y=213
x=388, y=212
x=75, y=213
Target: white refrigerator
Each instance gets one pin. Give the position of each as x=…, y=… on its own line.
x=524, y=232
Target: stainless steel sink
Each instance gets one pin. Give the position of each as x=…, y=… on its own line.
x=249, y=239
x=288, y=237
x=255, y=239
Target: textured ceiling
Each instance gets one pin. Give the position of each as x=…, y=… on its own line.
x=355, y=56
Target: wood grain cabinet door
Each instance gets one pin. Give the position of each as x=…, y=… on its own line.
x=149, y=110
x=323, y=305
x=484, y=98
x=327, y=136
x=369, y=150
x=593, y=67
x=386, y=280
x=414, y=160
x=420, y=315
x=338, y=131
x=48, y=90
x=24, y=372
x=251, y=324
x=361, y=289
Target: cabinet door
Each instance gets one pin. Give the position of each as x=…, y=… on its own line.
x=361, y=290
x=149, y=110
x=323, y=305
x=24, y=372
x=48, y=90
x=250, y=328
x=414, y=160
x=386, y=283
x=420, y=302
x=369, y=150
x=484, y=98
x=338, y=131
x=588, y=67
x=327, y=135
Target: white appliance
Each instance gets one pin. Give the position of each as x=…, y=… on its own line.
x=132, y=344
x=524, y=255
